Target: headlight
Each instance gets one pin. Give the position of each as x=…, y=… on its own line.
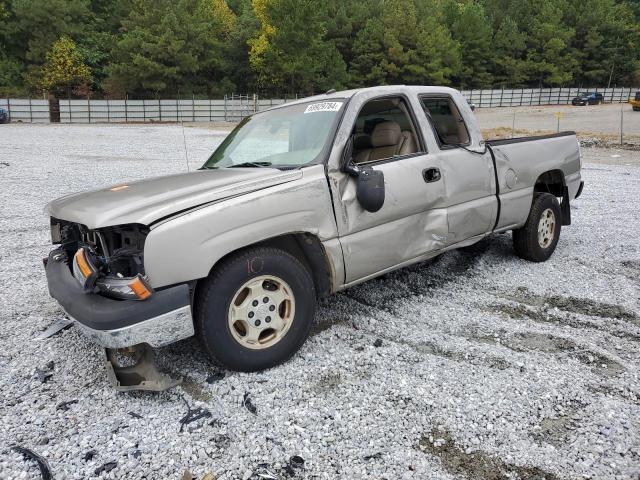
x=125, y=288
x=135, y=288
x=84, y=270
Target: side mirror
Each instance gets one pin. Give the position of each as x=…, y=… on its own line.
x=369, y=182
x=370, y=189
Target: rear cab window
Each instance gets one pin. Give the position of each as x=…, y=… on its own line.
x=446, y=121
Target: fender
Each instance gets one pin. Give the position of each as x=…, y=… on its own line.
x=186, y=247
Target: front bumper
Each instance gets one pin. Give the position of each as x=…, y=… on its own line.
x=160, y=320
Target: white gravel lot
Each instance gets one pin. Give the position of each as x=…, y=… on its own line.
x=487, y=367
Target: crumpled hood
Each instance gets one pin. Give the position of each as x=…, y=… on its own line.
x=146, y=201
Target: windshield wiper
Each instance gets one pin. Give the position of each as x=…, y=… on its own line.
x=251, y=164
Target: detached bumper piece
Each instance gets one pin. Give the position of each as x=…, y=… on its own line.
x=126, y=328
x=133, y=368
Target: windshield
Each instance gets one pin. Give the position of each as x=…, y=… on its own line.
x=285, y=137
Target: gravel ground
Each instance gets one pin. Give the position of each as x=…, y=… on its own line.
x=476, y=365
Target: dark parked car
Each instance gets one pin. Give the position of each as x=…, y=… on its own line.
x=588, y=98
x=4, y=116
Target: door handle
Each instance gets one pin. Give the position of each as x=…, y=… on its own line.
x=431, y=174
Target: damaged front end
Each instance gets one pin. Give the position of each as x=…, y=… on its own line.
x=107, y=261
x=98, y=278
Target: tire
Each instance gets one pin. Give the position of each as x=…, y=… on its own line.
x=527, y=242
x=636, y=109
x=247, y=279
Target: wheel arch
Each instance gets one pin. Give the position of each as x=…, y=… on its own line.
x=306, y=247
x=553, y=182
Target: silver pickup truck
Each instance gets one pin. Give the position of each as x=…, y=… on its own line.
x=298, y=202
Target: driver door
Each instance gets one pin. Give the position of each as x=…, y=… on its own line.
x=412, y=222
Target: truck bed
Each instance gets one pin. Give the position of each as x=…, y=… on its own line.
x=518, y=166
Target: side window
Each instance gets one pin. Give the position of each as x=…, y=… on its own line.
x=384, y=130
x=446, y=119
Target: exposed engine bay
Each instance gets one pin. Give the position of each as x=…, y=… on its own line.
x=108, y=261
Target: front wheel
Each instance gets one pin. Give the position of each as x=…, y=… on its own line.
x=538, y=238
x=256, y=309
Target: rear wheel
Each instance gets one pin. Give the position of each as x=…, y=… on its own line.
x=538, y=238
x=636, y=109
x=256, y=309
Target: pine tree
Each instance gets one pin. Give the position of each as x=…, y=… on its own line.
x=290, y=50
x=169, y=47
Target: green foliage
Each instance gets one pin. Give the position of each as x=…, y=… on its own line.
x=168, y=46
x=289, y=50
x=149, y=48
x=64, y=67
x=417, y=50
x=470, y=26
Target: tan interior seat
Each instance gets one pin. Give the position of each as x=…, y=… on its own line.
x=387, y=140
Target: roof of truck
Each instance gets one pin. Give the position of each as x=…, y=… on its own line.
x=380, y=89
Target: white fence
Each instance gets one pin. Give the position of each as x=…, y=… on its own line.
x=26, y=109
x=541, y=96
x=234, y=108
x=225, y=110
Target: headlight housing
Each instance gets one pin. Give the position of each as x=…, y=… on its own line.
x=134, y=288
x=115, y=286
x=84, y=269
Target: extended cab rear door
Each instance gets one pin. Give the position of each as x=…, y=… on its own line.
x=467, y=167
x=412, y=221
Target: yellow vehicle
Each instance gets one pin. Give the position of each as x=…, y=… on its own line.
x=635, y=102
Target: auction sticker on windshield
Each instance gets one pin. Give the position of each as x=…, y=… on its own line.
x=323, y=107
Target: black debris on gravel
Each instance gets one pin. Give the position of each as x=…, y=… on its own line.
x=377, y=343
x=43, y=375
x=55, y=328
x=374, y=456
x=64, y=406
x=193, y=414
x=46, y=373
x=107, y=467
x=248, y=404
x=135, y=415
x=43, y=465
x=89, y=455
x=296, y=461
x=215, y=376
